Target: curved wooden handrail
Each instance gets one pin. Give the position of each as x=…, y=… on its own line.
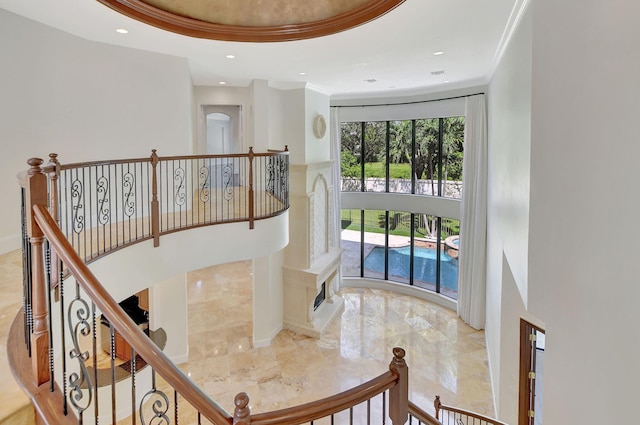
x=124, y=325
x=327, y=406
x=421, y=415
x=160, y=158
x=439, y=406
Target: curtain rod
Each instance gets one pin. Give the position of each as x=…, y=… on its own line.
x=410, y=103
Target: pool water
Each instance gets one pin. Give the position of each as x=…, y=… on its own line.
x=424, y=265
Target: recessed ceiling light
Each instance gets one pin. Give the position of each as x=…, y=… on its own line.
x=371, y=80
x=302, y=73
x=438, y=53
x=440, y=72
x=222, y=83
x=230, y=56
x=122, y=31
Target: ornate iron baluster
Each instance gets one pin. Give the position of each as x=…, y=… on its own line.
x=227, y=175
x=77, y=193
x=179, y=195
x=203, y=180
x=160, y=405
x=102, y=188
x=128, y=194
x=78, y=399
x=270, y=174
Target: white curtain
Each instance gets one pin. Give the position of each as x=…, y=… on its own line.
x=473, y=228
x=334, y=136
x=335, y=202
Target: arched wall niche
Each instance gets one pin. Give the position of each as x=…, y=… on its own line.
x=320, y=218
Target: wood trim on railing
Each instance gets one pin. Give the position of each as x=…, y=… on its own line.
x=144, y=12
x=327, y=406
x=101, y=162
x=125, y=325
x=440, y=406
x=421, y=415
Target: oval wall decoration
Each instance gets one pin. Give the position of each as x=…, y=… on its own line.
x=253, y=20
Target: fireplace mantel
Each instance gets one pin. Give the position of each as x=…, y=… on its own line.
x=311, y=260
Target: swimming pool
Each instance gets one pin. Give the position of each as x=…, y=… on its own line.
x=424, y=265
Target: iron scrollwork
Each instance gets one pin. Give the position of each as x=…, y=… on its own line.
x=102, y=187
x=270, y=174
x=284, y=174
x=203, y=176
x=159, y=407
x=227, y=175
x=180, y=194
x=128, y=193
x=77, y=206
x=79, y=399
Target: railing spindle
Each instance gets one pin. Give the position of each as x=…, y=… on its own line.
x=251, y=206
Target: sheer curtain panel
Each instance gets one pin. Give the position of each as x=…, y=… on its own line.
x=473, y=227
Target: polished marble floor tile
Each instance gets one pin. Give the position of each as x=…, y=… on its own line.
x=445, y=356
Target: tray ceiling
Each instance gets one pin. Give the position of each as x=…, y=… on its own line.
x=254, y=20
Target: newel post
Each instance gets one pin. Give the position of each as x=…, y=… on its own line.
x=251, y=206
x=155, y=206
x=399, y=394
x=36, y=191
x=436, y=406
x=242, y=413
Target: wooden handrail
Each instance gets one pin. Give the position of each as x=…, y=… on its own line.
x=327, y=406
x=439, y=406
x=125, y=325
x=164, y=158
x=421, y=415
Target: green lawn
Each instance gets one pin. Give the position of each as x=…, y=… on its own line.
x=399, y=223
x=396, y=171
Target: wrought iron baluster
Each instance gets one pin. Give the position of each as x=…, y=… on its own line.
x=159, y=405
x=26, y=277
x=79, y=399
x=96, y=407
x=112, y=354
x=63, y=343
x=133, y=386
x=47, y=261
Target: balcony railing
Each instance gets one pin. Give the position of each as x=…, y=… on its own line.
x=76, y=213
x=105, y=205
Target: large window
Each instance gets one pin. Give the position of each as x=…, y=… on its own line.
x=409, y=241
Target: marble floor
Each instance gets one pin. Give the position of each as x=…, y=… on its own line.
x=445, y=356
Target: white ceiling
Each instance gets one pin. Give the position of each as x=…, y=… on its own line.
x=396, y=49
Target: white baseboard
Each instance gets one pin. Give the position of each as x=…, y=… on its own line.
x=400, y=288
x=265, y=342
x=10, y=243
x=182, y=358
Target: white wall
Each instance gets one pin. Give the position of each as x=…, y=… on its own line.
x=268, y=298
x=227, y=96
x=85, y=101
x=583, y=250
x=509, y=114
x=316, y=103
